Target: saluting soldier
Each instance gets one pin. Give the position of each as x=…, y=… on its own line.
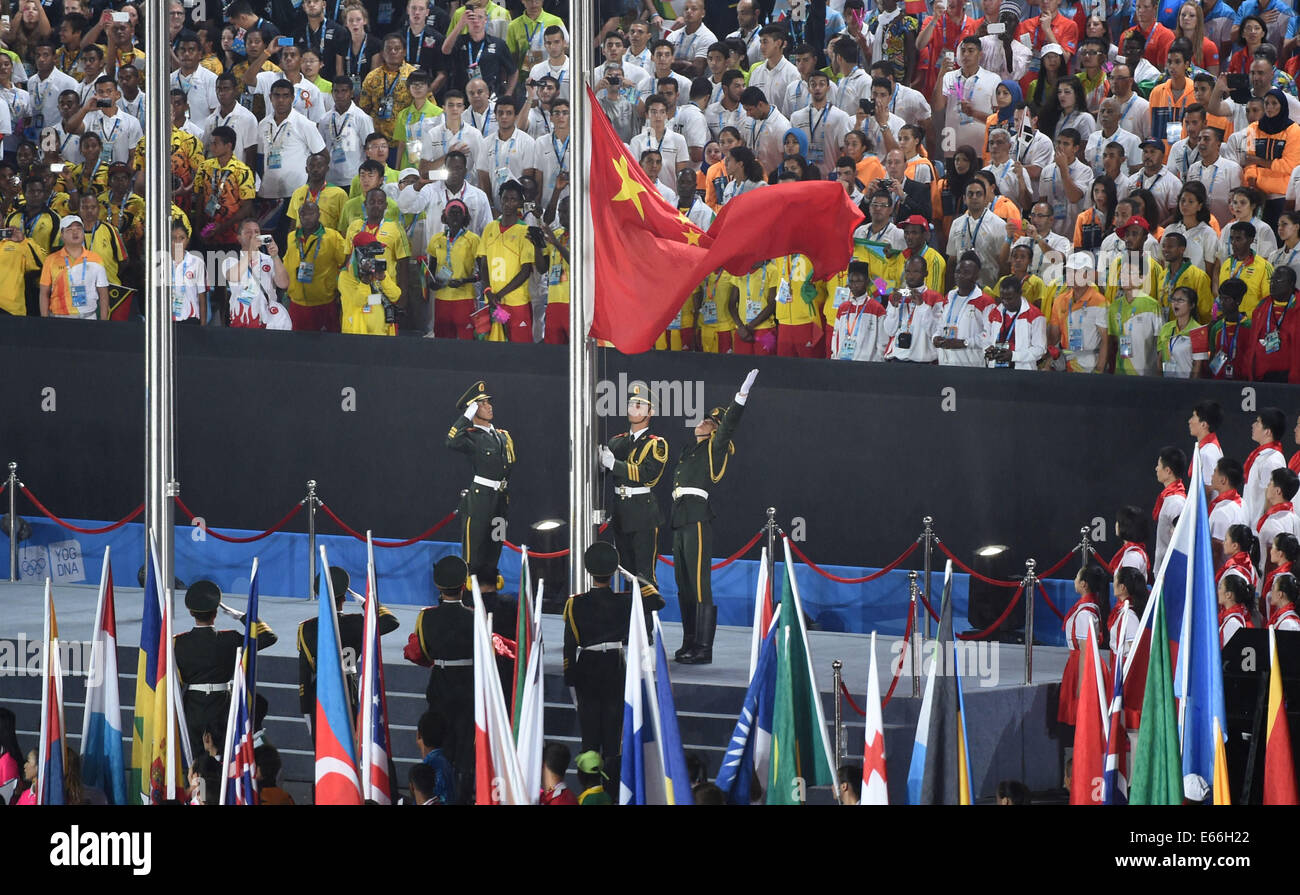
x=595, y=631
x=701, y=466
x=352, y=635
x=492, y=456
x=205, y=661
x=636, y=459
x=443, y=641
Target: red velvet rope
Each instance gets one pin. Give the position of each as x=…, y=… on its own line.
x=1056, y=568
x=348, y=529
x=907, y=645
x=874, y=575
x=234, y=540
x=845, y=691
x=532, y=554
x=971, y=572
x=980, y=635
x=84, y=531
x=1048, y=600
x=730, y=559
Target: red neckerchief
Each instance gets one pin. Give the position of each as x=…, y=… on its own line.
x=1170, y=491
x=1237, y=610
x=1115, y=612
x=1231, y=494
x=1284, y=507
x=1275, y=617
x=1082, y=604
x=1250, y=461
x=1119, y=554
x=1238, y=560
x=1294, y=463
x=1209, y=439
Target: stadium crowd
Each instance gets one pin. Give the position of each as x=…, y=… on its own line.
x=1043, y=188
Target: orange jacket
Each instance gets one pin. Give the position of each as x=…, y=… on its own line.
x=1283, y=149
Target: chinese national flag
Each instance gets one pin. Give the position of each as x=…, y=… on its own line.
x=648, y=257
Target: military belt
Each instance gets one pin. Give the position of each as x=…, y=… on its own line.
x=626, y=491
x=209, y=688
x=690, y=492
x=609, y=647
x=452, y=663
x=490, y=483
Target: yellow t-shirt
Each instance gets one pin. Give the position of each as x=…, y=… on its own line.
x=460, y=261
x=326, y=252
x=107, y=243
x=506, y=254
x=714, y=315
x=1150, y=283
x=796, y=270
x=330, y=199
x=16, y=260
x=557, y=274
x=752, y=290
x=1255, y=273
x=42, y=229
x=391, y=234
x=357, y=315
x=1033, y=290
x=1193, y=278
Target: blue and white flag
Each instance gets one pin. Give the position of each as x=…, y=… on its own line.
x=102, y=762
x=678, y=780
x=750, y=751
x=642, y=781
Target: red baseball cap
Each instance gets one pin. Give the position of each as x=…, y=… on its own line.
x=918, y=221
x=1136, y=221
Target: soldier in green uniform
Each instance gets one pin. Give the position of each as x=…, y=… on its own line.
x=205, y=661
x=492, y=456
x=443, y=641
x=595, y=631
x=352, y=634
x=636, y=459
x=701, y=466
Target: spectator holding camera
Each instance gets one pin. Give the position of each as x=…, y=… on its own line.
x=368, y=293
x=252, y=276
x=911, y=317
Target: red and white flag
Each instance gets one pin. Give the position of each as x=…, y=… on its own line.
x=1090, y=730
x=875, y=789
x=498, y=778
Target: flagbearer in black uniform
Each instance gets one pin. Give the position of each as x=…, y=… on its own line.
x=595, y=631
x=492, y=456
x=444, y=641
x=205, y=661
x=636, y=459
x=701, y=466
x=352, y=635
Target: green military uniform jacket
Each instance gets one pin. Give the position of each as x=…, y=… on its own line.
x=702, y=464
x=638, y=463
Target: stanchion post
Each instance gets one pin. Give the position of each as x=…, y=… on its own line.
x=13, y=520
x=771, y=542
x=1031, y=586
x=1085, y=547
x=928, y=534
x=914, y=645
x=837, y=678
x=311, y=534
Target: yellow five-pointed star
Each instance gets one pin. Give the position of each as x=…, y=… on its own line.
x=692, y=237
x=630, y=190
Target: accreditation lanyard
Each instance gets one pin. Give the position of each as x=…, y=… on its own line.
x=274, y=141
x=958, y=304
x=755, y=131
x=1270, y=324
x=67, y=268
x=528, y=35
x=1177, y=333
x=419, y=42
x=844, y=85
x=1229, y=350
x=481, y=128
x=121, y=210
x=354, y=59
x=451, y=243
x=302, y=246
x=471, y=55
x=762, y=294
x=496, y=151
x=318, y=42
x=1172, y=278
x=109, y=138
x=562, y=152
x=389, y=88
x=972, y=237
x=813, y=125
x=339, y=125
x=851, y=323
x=1235, y=266
x=1007, y=334
x=1151, y=187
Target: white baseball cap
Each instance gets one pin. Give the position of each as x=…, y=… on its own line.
x=1079, y=261
x=68, y=220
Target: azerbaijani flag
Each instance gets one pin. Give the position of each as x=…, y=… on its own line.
x=1279, y=772
x=49, y=760
x=337, y=782
x=102, y=762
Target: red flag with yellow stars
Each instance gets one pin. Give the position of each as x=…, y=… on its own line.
x=648, y=256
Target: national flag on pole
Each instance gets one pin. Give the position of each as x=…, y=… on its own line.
x=1115, y=777
x=1087, y=784
x=875, y=789
x=529, y=741
x=636, y=229
x=251, y=625
x=373, y=722
x=499, y=780
x=337, y=782
x=643, y=780
x=801, y=748
x=940, y=773
x=237, y=762
x=1157, y=768
x=677, y=779
x=1279, y=771
x=153, y=744
x=523, y=641
x=49, y=759
x=102, y=761
x=762, y=612
x=748, y=755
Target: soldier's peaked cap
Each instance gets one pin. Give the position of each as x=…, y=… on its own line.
x=601, y=559
x=340, y=580
x=449, y=573
x=639, y=391
x=203, y=596
x=716, y=415
x=476, y=392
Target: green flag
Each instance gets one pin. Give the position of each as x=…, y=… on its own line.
x=800, y=749
x=1157, y=766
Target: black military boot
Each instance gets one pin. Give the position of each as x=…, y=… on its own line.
x=687, y=608
x=706, y=626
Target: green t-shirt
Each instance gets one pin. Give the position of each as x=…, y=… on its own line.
x=1135, y=323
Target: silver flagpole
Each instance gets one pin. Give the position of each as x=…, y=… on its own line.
x=159, y=362
x=582, y=353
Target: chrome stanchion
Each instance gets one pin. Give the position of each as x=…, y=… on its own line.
x=1031, y=586
x=837, y=681
x=928, y=535
x=13, y=487
x=312, y=503
x=914, y=643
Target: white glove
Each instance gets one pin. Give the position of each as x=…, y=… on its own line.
x=606, y=457
x=233, y=613
x=746, y=386
x=472, y=410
